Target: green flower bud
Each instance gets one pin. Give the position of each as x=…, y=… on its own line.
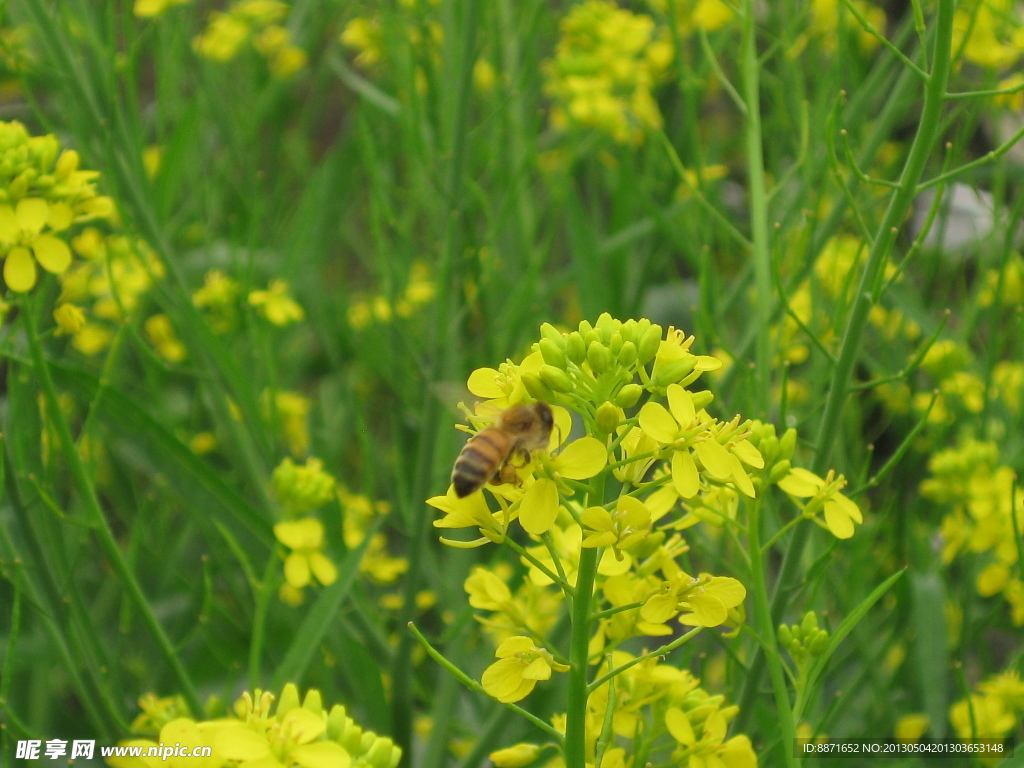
x=555, y=379
x=615, y=344
x=575, y=347
x=585, y=328
x=628, y=331
x=337, y=723
x=702, y=399
x=607, y=325
x=787, y=444
x=548, y=331
x=536, y=387
x=608, y=417
x=675, y=371
x=809, y=623
x=599, y=357
x=648, y=345
x=552, y=353
x=819, y=644
x=769, y=448
x=779, y=471
x=592, y=337
x=785, y=636
x=627, y=355
x=628, y=395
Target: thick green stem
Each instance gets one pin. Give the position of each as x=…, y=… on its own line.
x=758, y=209
x=579, y=645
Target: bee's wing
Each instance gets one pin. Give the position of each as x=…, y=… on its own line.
x=462, y=403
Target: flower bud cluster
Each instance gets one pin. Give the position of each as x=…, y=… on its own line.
x=804, y=640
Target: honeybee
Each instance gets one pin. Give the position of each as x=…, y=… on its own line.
x=487, y=455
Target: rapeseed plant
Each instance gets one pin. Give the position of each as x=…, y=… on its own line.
x=259, y=23
x=296, y=732
x=602, y=513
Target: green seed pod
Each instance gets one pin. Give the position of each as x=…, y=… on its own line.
x=552, y=353
x=787, y=444
x=536, y=387
x=628, y=395
x=702, y=399
x=555, y=379
x=779, y=470
x=675, y=371
x=608, y=417
x=599, y=357
x=548, y=331
x=575, y=347
x=627, y=355
x=648, y=345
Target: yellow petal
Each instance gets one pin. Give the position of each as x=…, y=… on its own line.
x=801, y=483
x=10, y=229
x=838, y=521
x=679, y=726
x=502, y=678
x=748, y=454
x=582, y=459
x=19, y=270
x=684, y=474
x=324, y=570
x=307, y=533
x=52, y=253
x=741, y=478
x=708, y=609
x=513, y=645
x=681, y=405
x=32, y=213
x=537, y=669
x=848, y=506
x=322, y=754
x=727, y=589
x=610, y=565
x=539, y=507
x=237, y=742
x=660, y=608
x=60, y=217
x=658, y=423
x=714, y=458
x=715, y=728
x=296, y=570
x=483, y=382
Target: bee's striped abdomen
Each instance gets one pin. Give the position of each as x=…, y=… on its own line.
x=480, y=459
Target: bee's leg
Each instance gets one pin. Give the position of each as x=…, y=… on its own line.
x=506, y=474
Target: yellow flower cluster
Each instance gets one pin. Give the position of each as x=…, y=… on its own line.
x=258, y=22
x=420, y=290
x=301, y=489
x=980, y=491
x=990, y=33
x=298, y=731
x=44, y=197
x=110, y=280
x=360, y=513
x=993, y=712
x=651, y=463
x=276, y=304
x=657, y=709
x=218, y=300
x=289, y=411
x=606, y=65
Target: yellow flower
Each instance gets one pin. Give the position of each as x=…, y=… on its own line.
x=222, y=39
x=912, y=727
x=520, y=665
x=711, y=748
x=516, y=756
x=365, y=36
x=161, y=335
x=146, y=9
x=306, y=540
x=706, y=600
x=276, y=305
x=840, y=512
x=301, y=488
x=69, y=319
x=21, y=234
x=625, y=526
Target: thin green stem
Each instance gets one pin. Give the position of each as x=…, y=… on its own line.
x=667, y=648
x=83, y=484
